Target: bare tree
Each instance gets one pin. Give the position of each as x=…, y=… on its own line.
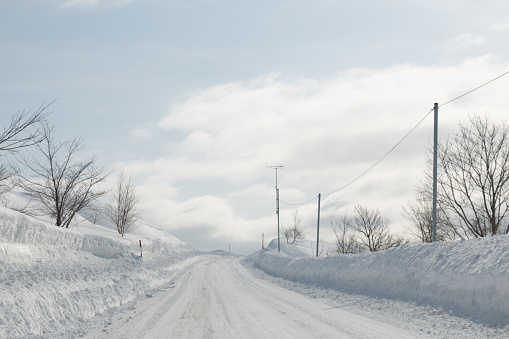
x=287, y=232
x=7, y=172
x=393, y=240
x=124, y=209
x=473, y=180
x=22, y=206
x=295, y=232
x=298, y=231
x=63, y=185
x=17, y=133
x=373, y=230
x=420, y=214
x=322, y=251
x=94, y=213
x=345, y=238
x=22, y=131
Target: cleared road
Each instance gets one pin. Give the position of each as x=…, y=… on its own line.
x=218, y=298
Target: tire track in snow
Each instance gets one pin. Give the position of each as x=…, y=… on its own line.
x=218, y=298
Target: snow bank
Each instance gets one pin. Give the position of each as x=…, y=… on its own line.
x=53, y=278
x=469, y=278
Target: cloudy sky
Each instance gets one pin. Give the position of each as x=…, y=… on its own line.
x=195, y=98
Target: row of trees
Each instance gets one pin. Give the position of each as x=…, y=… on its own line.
x=296, y=231
x=473, y=184
x=367, y=230
x=61, y=183
x=472, y=202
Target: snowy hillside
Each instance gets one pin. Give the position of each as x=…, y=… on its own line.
x=469, y=279
x=52, y=280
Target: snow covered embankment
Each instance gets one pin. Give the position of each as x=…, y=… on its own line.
x=52, y=278
x=469, y=278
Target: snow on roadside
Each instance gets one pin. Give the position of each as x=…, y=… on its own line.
x=53, y=279
x=423, y=320
x=469, y=279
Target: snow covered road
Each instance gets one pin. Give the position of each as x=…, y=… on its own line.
x=86, y=281
x=218, y=298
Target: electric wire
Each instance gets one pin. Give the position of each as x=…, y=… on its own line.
x=399, y=142
x=302, y=203
x=382, y=158
x=417, y=125
x=475, y=89
x=370, y=168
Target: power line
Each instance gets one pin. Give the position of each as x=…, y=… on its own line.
x=475, y=89
x=400, y=141
x=302, y=203
x=382, y=158
x=406, y=135
x=370, y=168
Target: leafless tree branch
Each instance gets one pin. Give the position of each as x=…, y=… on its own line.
x=124, y=209
x=473, y=180
x=295, y=231
x=63, y=185
x=16, y=134
x=345, y=238
x=373, y=230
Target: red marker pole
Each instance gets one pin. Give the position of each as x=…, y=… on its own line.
x=141, y=252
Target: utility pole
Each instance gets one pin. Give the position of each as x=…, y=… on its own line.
x=435, y=152
x=277, y=205
x=318, y=225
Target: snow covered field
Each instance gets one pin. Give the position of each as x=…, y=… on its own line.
x=87, y=281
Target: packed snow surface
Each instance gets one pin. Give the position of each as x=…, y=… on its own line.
x=218, y=298
x=87, y=281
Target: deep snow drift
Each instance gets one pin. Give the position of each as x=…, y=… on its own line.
x=53, y=279
x=467, y=278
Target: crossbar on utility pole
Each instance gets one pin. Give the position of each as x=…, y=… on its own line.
x=277, y=205
x=435, y=152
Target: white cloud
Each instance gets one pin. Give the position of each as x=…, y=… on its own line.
x=497, y=26
x=324, y=131
x=468, y=40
